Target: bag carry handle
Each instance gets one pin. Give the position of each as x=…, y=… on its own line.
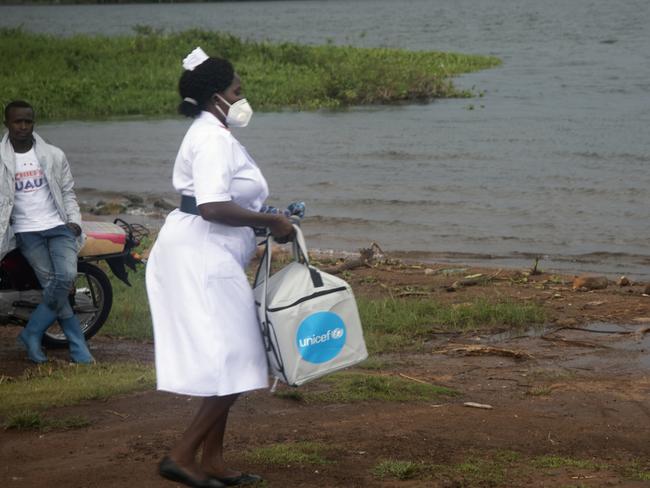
x=299, y=251
x=264, y=272
x=300, y=246
x=300, y=255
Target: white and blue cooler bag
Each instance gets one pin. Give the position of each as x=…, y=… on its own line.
x=309, y=319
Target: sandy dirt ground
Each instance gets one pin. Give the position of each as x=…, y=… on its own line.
x=578, y=388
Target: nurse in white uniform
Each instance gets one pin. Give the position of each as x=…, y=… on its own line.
x=207, y=338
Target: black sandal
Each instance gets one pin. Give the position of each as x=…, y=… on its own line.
x=170, y=470
x=242, y=479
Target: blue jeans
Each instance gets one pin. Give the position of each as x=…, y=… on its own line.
x=52, y=253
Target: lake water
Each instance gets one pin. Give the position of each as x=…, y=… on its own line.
x=551, y=161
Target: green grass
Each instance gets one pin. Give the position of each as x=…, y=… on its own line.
x=130, y=317
x=476, y=471
x=394, y=324
x=389, y=324
x=94, y=76
x=501, y=469
x=48, y=386
x=291, y=394
x=348, y=387
x=290, y=453
x=493, y=470
x=30, y=420
x=374, y=364
x=553, y=461
x=539, y=391
x=638, y=471
x=401, y=470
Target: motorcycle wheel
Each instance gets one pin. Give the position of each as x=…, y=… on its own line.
x=91, y=303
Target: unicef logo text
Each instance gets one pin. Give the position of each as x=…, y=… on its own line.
x=331, y=334
x=320, y=337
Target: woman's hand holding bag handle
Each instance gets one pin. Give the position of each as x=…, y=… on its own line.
x=281, y=229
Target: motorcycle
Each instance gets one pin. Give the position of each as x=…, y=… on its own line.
x=91, y=296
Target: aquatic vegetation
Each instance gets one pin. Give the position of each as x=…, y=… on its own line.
x=98, y=76
x=99, y=2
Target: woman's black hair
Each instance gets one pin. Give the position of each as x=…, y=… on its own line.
x=212, y=75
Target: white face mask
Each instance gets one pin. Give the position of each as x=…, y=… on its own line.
x=239, y=113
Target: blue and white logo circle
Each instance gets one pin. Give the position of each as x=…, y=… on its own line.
x=320, y=337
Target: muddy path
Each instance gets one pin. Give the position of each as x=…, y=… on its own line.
x=578, y=390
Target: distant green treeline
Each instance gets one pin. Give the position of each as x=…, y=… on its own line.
x=99, y=76
x=69, y=2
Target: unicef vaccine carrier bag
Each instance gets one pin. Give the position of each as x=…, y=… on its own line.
x=309, y=319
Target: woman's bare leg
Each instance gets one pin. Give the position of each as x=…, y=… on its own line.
x=210, y=413
x=212, y=461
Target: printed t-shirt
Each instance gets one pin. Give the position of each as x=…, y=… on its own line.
x=34, y=207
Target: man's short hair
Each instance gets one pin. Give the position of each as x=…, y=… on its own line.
x=16, y=104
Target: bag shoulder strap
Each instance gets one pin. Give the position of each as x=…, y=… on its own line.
x=301, y=255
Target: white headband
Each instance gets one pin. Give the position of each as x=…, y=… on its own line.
x=195, y=58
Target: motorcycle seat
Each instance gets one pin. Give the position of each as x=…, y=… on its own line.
x=102, y=238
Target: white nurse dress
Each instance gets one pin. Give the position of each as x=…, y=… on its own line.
x=206, y=333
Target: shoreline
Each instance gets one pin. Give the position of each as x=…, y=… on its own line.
x=462, y=263
x=611, y=265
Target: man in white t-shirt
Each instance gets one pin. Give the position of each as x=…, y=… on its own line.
x=40, y=209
